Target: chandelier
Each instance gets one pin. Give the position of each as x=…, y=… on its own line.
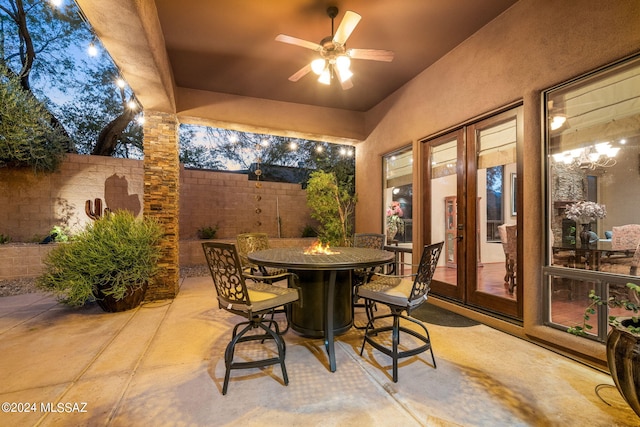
x=600, y=155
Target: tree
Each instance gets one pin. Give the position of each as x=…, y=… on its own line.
x=27, y=137
x=40, y=46
x=333, y=206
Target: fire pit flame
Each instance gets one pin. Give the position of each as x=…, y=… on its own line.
x=319, y=249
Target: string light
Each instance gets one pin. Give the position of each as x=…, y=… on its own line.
x=121, y=83
x=132, y=105
x=92, y=50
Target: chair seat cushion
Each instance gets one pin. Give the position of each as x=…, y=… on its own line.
x=266, y=297
x=390, y=290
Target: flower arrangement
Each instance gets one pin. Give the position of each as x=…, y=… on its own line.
x=585, y=212
x=395, y=224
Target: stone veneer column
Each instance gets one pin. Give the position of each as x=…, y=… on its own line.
x=161, y=196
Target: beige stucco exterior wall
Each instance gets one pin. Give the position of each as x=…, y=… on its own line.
x=534, y=45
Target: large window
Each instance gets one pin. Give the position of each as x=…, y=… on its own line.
x=593, y=188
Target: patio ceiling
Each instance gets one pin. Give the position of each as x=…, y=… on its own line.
x=225, y=51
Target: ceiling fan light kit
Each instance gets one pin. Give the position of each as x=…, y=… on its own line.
x=335, y=58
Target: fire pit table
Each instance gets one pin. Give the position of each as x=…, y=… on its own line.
x=325, y=280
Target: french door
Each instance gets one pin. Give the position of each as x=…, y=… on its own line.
x=472, y=188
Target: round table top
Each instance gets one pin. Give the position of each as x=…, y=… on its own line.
x=344, y=259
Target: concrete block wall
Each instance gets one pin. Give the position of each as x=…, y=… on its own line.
x=237, y=205
x=30, y=205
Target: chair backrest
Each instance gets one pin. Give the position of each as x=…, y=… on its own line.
x=508, y=236
x=625, y=236
x=226, y=271
x=369, y=240
x=251, y=242
x=426, y=269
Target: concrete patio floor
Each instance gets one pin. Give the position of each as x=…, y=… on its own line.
x=162, y=365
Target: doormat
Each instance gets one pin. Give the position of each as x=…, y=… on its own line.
x=429, y=313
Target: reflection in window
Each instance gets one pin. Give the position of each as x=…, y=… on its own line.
x=398, y=196
x=495, y=186
x=593, y=146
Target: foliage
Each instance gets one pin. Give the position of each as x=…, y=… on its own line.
x=27, y=138
x=4, y=239
x=59, y=233
x=309, y=231
x=117, y=253
x=613, y=302
x=42, y=46
x=207, y=232
x=333, y=206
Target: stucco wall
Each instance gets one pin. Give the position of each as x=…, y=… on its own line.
x=534, y=45
x=30, y=205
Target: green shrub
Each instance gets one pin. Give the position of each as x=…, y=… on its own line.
x=207, y=232
x=116, y=253
x=309, y=231
x=28, y=139
x=4, y=239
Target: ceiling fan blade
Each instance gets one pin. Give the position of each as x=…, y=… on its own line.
x=347, y=84
x=300, y=73
x=371, y=54
x=298, y=42
x=346, y=27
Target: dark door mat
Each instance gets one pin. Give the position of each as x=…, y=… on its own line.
x=429, y=313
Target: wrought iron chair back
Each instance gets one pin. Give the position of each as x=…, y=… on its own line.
x=369, y=240
x=426, y=270
x=226, y=271
x=251, y=242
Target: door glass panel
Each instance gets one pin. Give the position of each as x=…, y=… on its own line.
x=444, y=209
x=496, y=213
x=398, y=204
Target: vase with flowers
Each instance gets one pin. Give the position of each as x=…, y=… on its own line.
x=584, y=213
x=395, y=223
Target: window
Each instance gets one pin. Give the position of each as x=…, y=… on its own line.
x=593, y=156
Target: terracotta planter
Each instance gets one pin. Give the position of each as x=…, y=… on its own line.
x=623, y=357
x=130, y=301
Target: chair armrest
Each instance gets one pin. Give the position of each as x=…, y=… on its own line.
x=294, y=283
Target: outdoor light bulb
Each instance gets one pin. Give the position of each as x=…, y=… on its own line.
x=121, y=83
x=343, y=151
x=318, y=65
x=293, y=146
x=92, y=50
x=319, y=149
x=325, y=77
x=349, y=153
x=233, y=139
x=56, y=3
x=132, y=105
x=623, y=141
x=264, y=143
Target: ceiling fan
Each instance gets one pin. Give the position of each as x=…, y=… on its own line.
x=334, y=58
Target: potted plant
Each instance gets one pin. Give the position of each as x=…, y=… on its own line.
x=111, y=262
x=623, y=342
x=207, y=232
